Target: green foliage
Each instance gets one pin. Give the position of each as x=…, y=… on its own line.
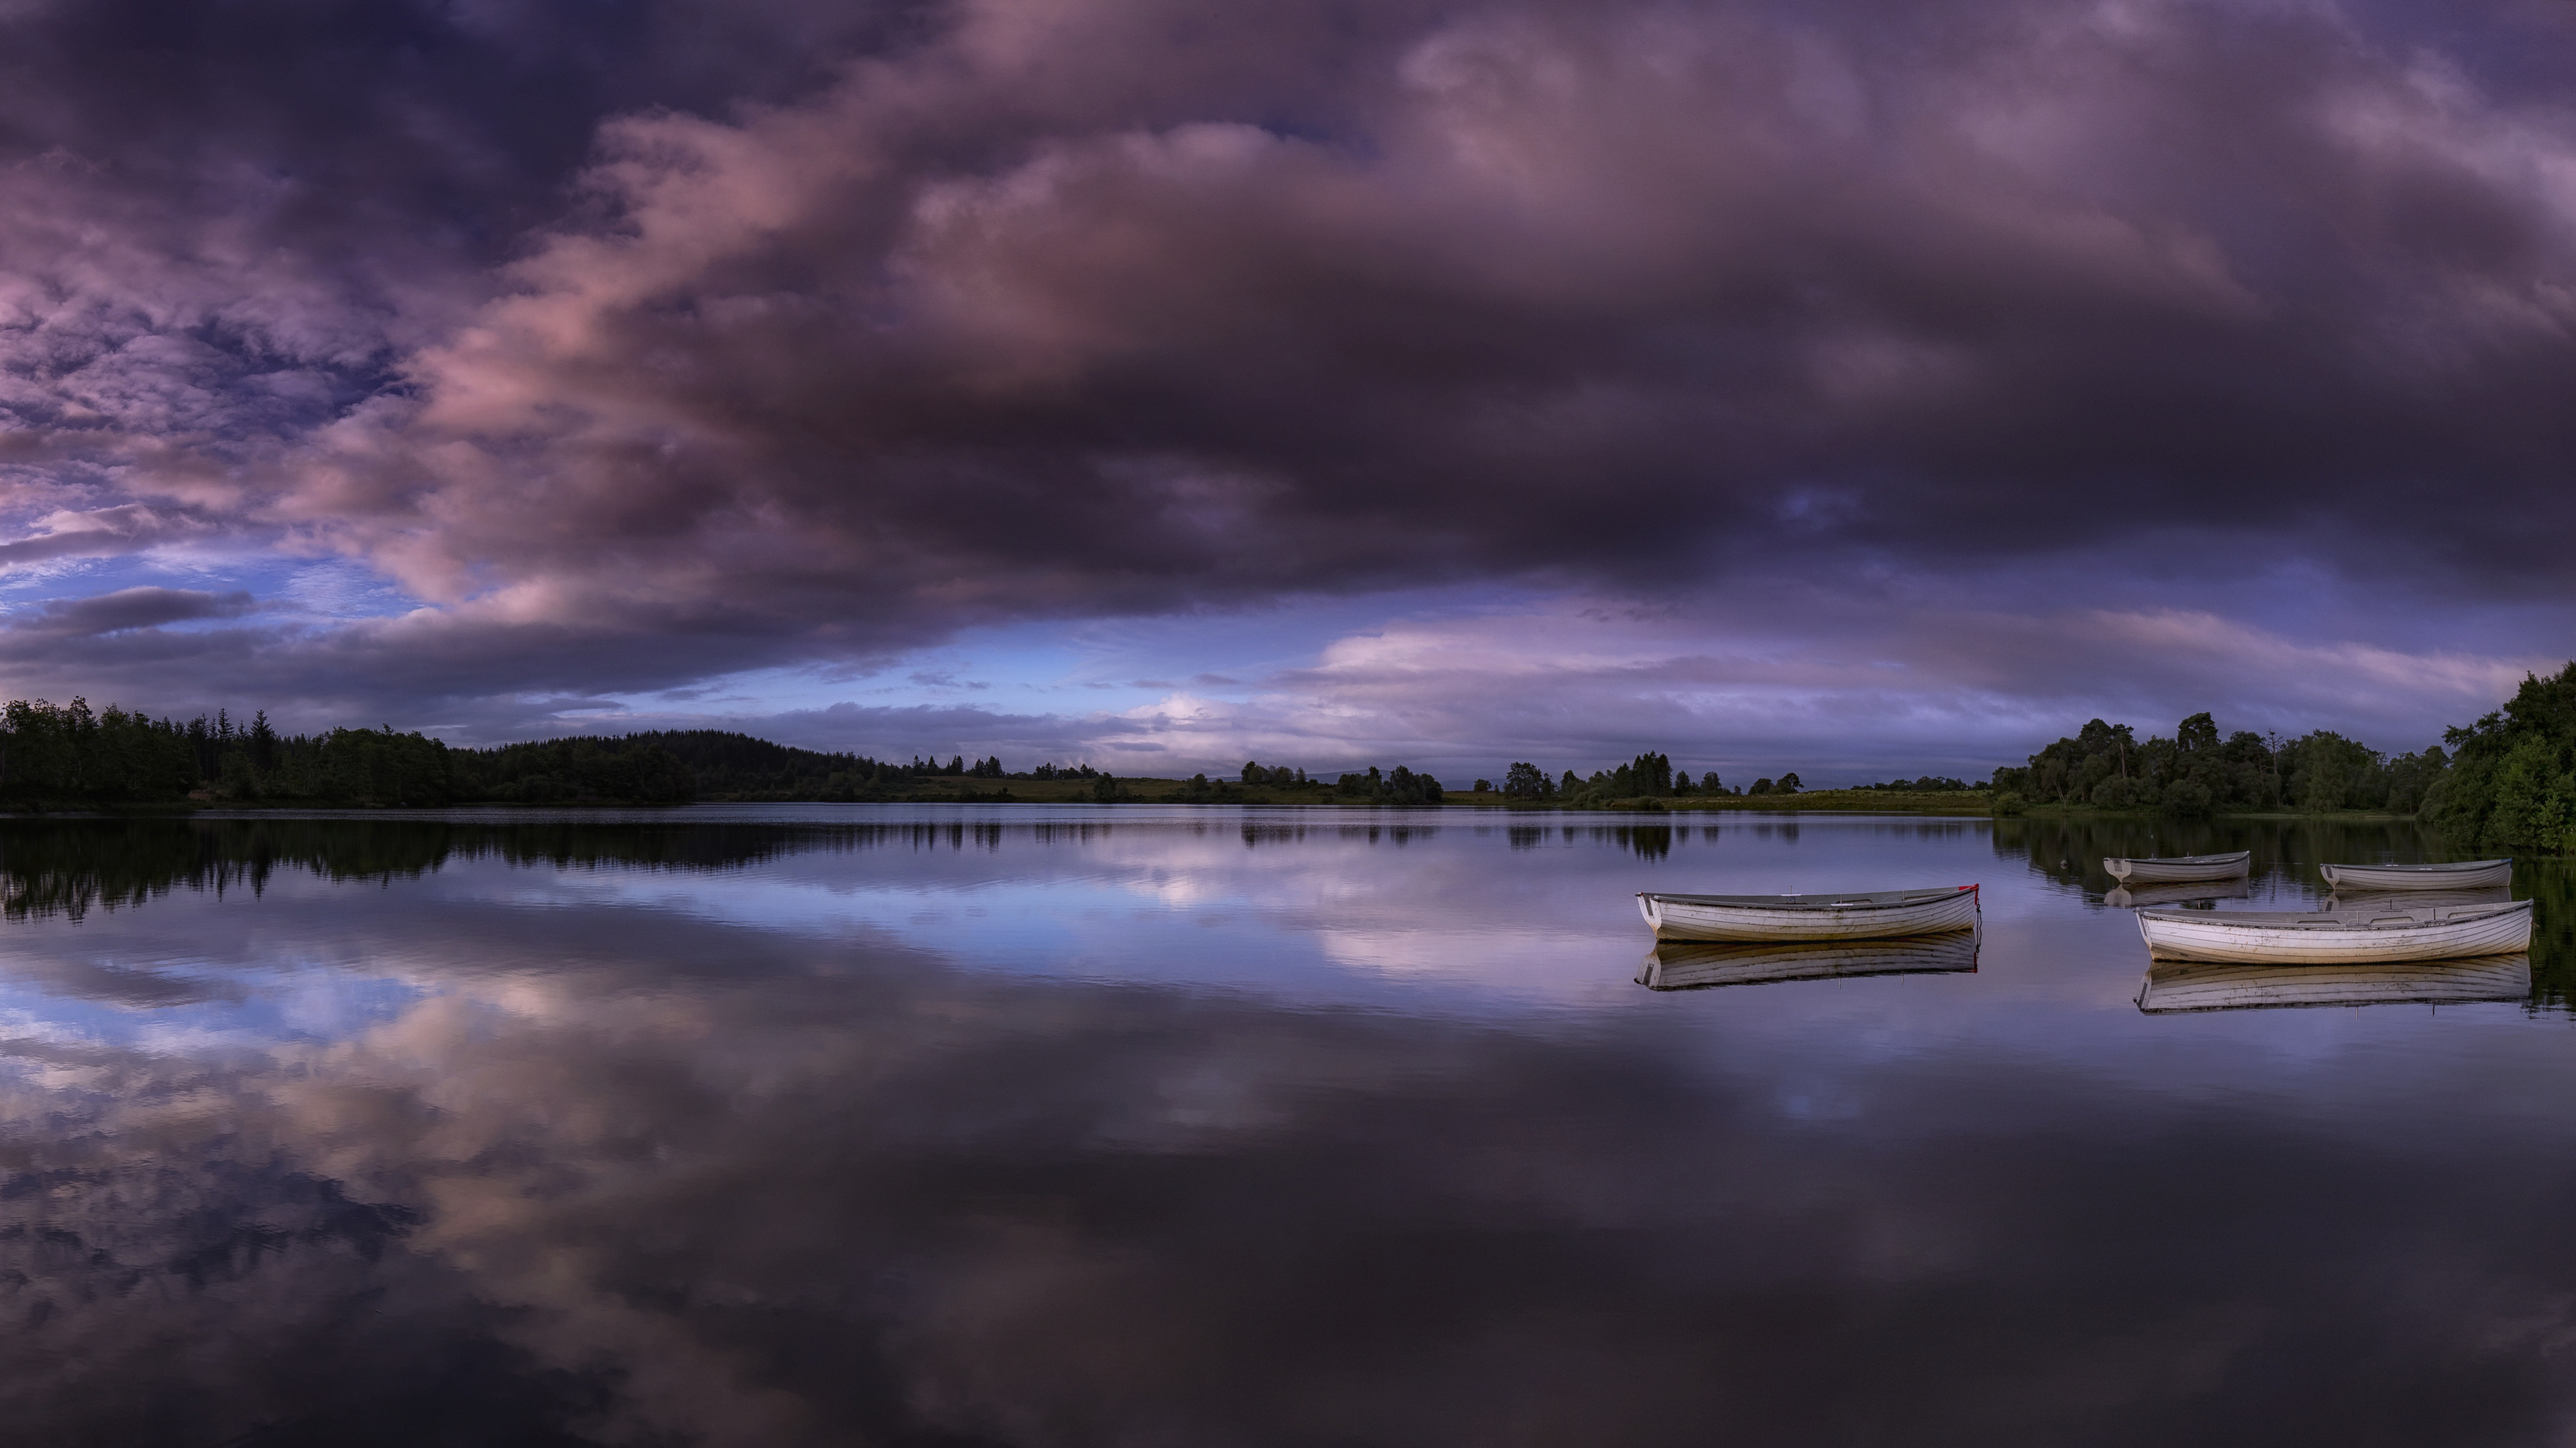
x=69, y=754
x=65, y=755
x=2512, y=784
x=637, y=769
x=2194, y=773
x=2116, y=792
x=1399, y=786
x=2187, y=799
x=1529, y=782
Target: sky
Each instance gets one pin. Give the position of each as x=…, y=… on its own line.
x=1859, y=387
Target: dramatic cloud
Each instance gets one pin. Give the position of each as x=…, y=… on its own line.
x=129, y=608
x=644, y=349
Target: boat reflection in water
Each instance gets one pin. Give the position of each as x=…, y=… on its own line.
x=2133, y=896
x=1692, y=965
x=2178, y=986
x=2347, y=902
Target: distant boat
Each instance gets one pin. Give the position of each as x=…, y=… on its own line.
x=2266, y=937
x=2464, y=875
x=2178, y=868
x=1878, y=915
x=2191, y=986
x=1691, y=965
x=2124, y=899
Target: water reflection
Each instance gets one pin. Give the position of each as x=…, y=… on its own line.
x=1223, y=1128
x=2205, y=892
x=2359, y=902
x=2070, y=851
x=1693, y=965
x=2177, y=986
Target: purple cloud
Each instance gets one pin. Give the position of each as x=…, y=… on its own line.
x=647, y=349
x=123, y=610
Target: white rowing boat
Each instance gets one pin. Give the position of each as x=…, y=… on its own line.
x=1866, y=915
x=2178, y=869
x=2466, y=874
x=2266, y=937
x=1693, y=965
x=2190, y=986
x=2128, y=898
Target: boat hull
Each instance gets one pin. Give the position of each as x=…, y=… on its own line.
x=1926, y=912
x=2264, y=938
x=2466, y=875
x=2177, y=986
x=2183, y=870
x=1687, y=965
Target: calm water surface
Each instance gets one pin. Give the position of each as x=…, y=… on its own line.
x=810, y=1125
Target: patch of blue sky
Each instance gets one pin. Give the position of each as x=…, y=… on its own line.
x=323, y=590
x=1147, y=927
x=1098, y=666
x=241, y=1006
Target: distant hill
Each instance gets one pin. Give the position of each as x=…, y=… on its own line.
x=733, y=766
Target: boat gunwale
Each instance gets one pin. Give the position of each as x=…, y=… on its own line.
x=2222, y=857
x=1861, y=900
x=2321, y=920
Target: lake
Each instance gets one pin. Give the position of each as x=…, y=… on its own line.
x=1141, y=1126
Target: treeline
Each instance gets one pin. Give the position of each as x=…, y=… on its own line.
x=1400, y=786
x=2197, y=773
x=1648, y=776
x=69, y=755
x=66, y=753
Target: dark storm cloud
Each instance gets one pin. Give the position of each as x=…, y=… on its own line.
x=761, y=334
x=127, y=608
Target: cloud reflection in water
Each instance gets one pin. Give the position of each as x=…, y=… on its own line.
x=548, y=1166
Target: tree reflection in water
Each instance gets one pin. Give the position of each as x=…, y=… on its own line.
x=541, y=1133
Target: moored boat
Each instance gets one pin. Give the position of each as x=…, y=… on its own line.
x=2177, y=869
x=2461, y=875
x=1863, y=915
x=2173, y=986
x=1696, y=965
x=2267, y=937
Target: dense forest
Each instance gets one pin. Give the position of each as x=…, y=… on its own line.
x=2198, y=773
x=68, y=755
x=2512, y=785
